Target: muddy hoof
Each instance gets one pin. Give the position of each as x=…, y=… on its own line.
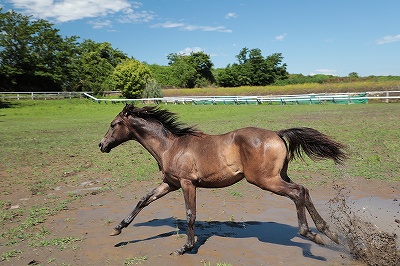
x=318, y=239
x=334, y=237
x=176, y=253
x=115, y=232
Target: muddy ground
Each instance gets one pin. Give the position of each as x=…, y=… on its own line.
x=240, y=225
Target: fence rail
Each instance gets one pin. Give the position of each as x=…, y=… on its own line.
x=40, y=95
x=344, y=98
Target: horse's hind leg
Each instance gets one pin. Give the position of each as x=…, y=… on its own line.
x=321, y=225
x=155, y=194
x=297, y=194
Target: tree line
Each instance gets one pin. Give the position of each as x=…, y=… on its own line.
x=35, y=57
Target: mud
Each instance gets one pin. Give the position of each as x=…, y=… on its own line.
x=368, y=226
x=240, y=225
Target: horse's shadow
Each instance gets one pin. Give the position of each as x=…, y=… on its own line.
x=267, y=232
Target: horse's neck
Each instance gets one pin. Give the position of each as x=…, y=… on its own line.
x=156, y=142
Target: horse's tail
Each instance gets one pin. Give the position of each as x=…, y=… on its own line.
x=315, y=144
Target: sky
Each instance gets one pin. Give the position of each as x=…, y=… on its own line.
x=334, y=37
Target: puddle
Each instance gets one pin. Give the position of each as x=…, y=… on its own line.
x=382, y=213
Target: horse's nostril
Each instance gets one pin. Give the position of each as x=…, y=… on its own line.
x=100, y=145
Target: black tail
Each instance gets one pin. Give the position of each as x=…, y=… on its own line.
x=315, y=144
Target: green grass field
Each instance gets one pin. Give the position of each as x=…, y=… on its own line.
x=46, y=144
x=62, y=136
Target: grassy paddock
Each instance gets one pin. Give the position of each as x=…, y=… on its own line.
x=60, y=137
x=46, y=144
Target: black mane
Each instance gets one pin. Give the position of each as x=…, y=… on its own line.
x=168, y=119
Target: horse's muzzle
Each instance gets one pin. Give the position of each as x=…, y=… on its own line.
x=104, y=148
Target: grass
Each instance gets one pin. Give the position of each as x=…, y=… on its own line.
x=10, y=254
x=135, y=260
x=47, y=144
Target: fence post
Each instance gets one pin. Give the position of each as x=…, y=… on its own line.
x=387, y=96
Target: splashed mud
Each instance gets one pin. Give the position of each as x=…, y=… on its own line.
x=368, y=226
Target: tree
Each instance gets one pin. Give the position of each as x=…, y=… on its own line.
x=130, y=77
x=194, y=70
x=33, y=56
x=253, y=69
x=353, y=75
x=97, y=62
x=162, y=74
x=152, y=90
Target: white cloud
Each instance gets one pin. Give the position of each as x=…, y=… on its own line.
x=168, y=25
x=189, y=27
x=99, y=24
x=68, y=10
x=389, y=39
x=231, y=15
x=324, y=71
x=189, y=50
x=281, y=37
x=133, y=16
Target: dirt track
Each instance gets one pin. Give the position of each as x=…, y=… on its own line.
x=241, y=225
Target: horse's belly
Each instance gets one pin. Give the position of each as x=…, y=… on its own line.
x=220, y=179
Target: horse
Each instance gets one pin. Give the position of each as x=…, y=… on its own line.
x=189, y=158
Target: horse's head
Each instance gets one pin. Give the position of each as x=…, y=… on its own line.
x=119, y=130
x=135, y=123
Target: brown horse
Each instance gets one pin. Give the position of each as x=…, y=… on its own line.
x=189, y=159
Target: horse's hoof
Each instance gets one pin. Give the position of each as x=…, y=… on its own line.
x=176, y=253
x=318, y=239
x=115, y=232
x=334, y=237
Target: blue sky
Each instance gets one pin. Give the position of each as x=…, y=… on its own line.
x=314, y=36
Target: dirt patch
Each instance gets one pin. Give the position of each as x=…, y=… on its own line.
x=240, y=225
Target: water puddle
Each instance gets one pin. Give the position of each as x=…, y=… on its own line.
x=384, y=214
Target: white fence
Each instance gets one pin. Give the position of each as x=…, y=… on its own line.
x=344, y=98
x=40, y=95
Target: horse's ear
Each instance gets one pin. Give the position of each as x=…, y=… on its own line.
x=128, y=109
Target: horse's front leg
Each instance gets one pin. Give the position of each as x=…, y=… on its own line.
x=189, y=193
x=155, y=194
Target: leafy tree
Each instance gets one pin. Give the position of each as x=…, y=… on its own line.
x=228, y=77
x=253, y=69
x=194, y=70
x=130, y=77
x=353, y=75
x=152, y=89
x=96, y=63
x=162, y=74
x=33, y=56
x=183, y=74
